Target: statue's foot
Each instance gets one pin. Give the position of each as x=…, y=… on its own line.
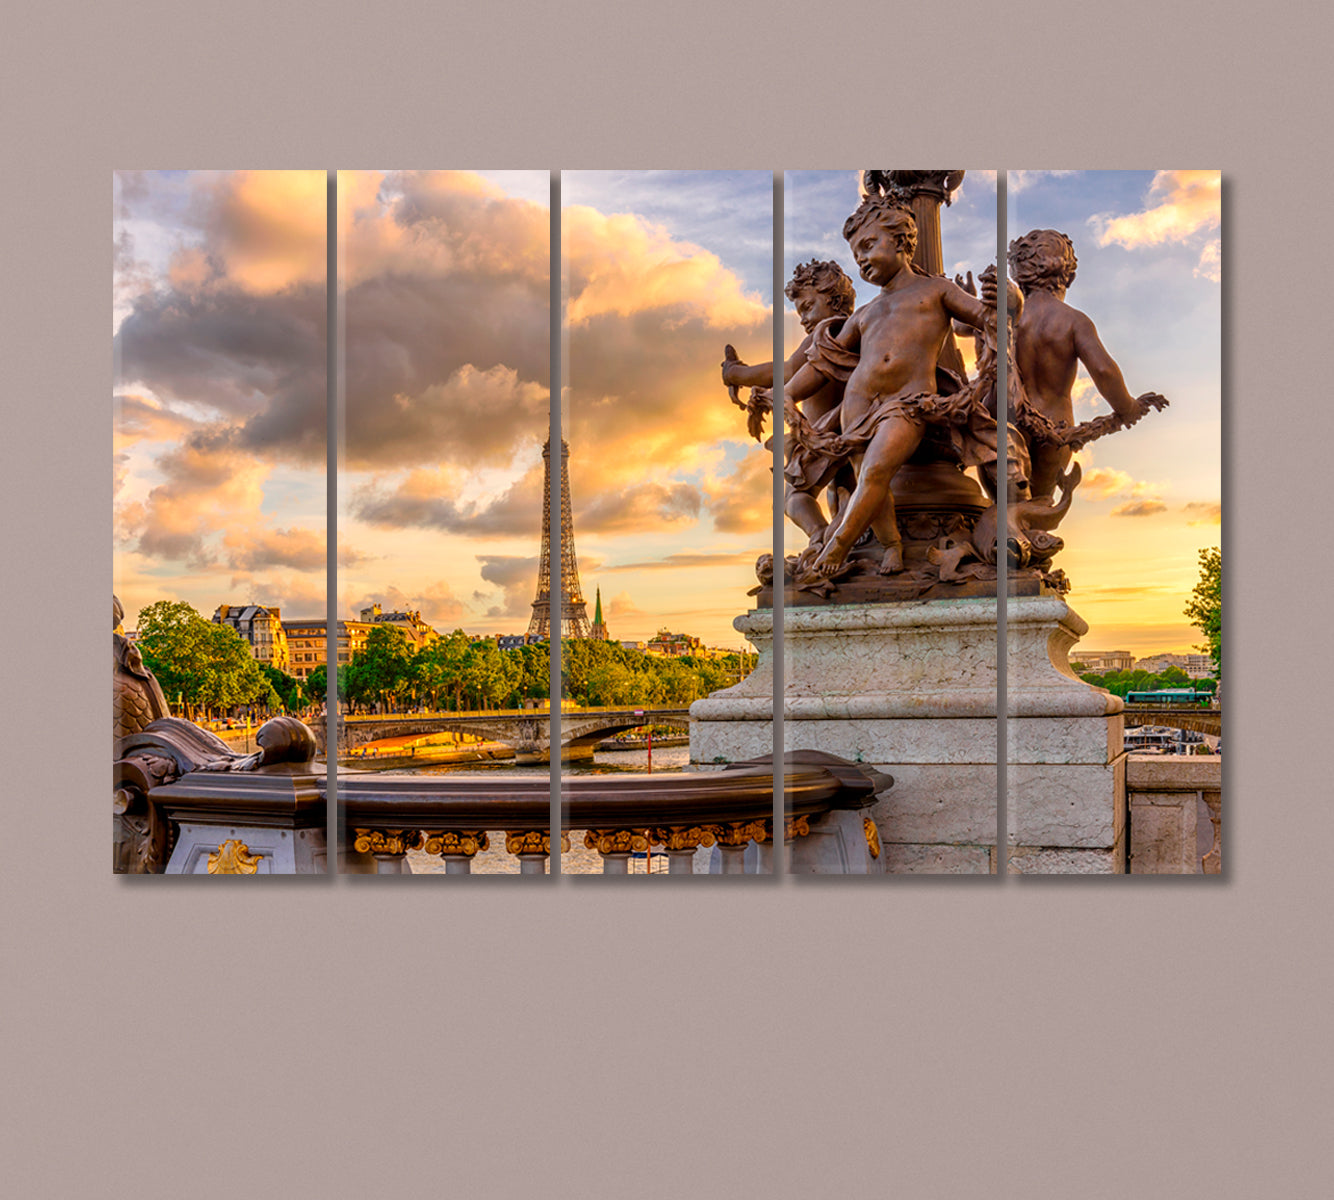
x=892, y=563
x=818, y=538
x=830, y=560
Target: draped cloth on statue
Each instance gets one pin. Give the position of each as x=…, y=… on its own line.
x=957, y=410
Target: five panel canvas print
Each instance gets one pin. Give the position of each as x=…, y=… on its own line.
x=559, y=633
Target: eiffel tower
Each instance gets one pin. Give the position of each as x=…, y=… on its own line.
x=573, y=613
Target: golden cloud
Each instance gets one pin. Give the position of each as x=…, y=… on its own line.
x=1108, y=483
x=625, y=265
x=1139, y=508
x=1203, y=512
x=1186, y=202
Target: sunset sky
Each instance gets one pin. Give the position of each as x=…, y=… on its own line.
x=445, y=283
x=672, y=499
x=219, y=323
x=1150, y=264
x=219, y=430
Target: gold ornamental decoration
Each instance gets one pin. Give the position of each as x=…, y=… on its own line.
x=386, y=841
x=528, y=841
x=872, y=837
x=233, y=857
x=465, y=843
x=616, y=841
x=738, y=833
x=680, y=837
x=797, y=827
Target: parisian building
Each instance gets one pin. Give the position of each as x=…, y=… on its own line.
x=262, y=629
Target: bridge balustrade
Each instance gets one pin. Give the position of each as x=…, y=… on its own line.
x=386, y=816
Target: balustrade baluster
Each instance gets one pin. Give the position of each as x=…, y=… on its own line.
x=616, y=846
x=388, y=847
x=531, y=847
x=457, y=848
x=681, y=842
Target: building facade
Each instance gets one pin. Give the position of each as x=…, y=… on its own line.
x=262, y=630
x=308, y=643
x=419, y=633
x=674, y=645
x=1099, y=662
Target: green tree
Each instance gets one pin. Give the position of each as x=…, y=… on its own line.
x=381, y=671
x=316, y=685
x=1205, y=607
x=288, y=690
x=208, y=665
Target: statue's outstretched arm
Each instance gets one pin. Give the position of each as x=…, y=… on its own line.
x=1104, y=372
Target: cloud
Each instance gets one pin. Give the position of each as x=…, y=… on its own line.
x=676, y=562
x=1083, y=394
x=265, y=230
x=210, y=482
x=516, y=576
x=743, y=501
x=1108, y=483
x=297, y=596
x=1204, y=512
x=253, y=550
x=639, y=506
x=430, y=499
x=447, y=326
x=447, y=319
x=622, y=606
x=435, y=601
x=350, y=557
x=622, y=264
x=1102, y=483
x=1182, y=203
x=141, y=418
x=473, y=418
x=1210, y=265
x=1139, y=508
x=1017, y=181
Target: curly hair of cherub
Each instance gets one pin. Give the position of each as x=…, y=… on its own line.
x=883, y=210
x=827, y=278
x=1043, y=260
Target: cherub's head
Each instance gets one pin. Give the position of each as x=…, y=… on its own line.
x=820, y=290
x=1043, y=261
x=882, y=214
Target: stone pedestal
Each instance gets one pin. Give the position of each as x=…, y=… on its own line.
x=909, y=688
x=1066, y=793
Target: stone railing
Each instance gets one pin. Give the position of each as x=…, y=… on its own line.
x=1176, y=814
x=273, y=822
x=386, y=816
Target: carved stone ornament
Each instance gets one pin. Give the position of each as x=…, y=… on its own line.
x=233, y=857
x=153, y=748
x=528, y=841
x=616, y=841
x=872, y=836
x=682, y=838
x=451, y=843
x=738, y=833
x=386, y=841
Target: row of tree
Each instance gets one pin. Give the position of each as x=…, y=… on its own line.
x=460, y=673
x=1121, y=682
x=208, y=668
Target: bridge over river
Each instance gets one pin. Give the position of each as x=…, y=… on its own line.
x=1177, y=716
x=528, y=730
